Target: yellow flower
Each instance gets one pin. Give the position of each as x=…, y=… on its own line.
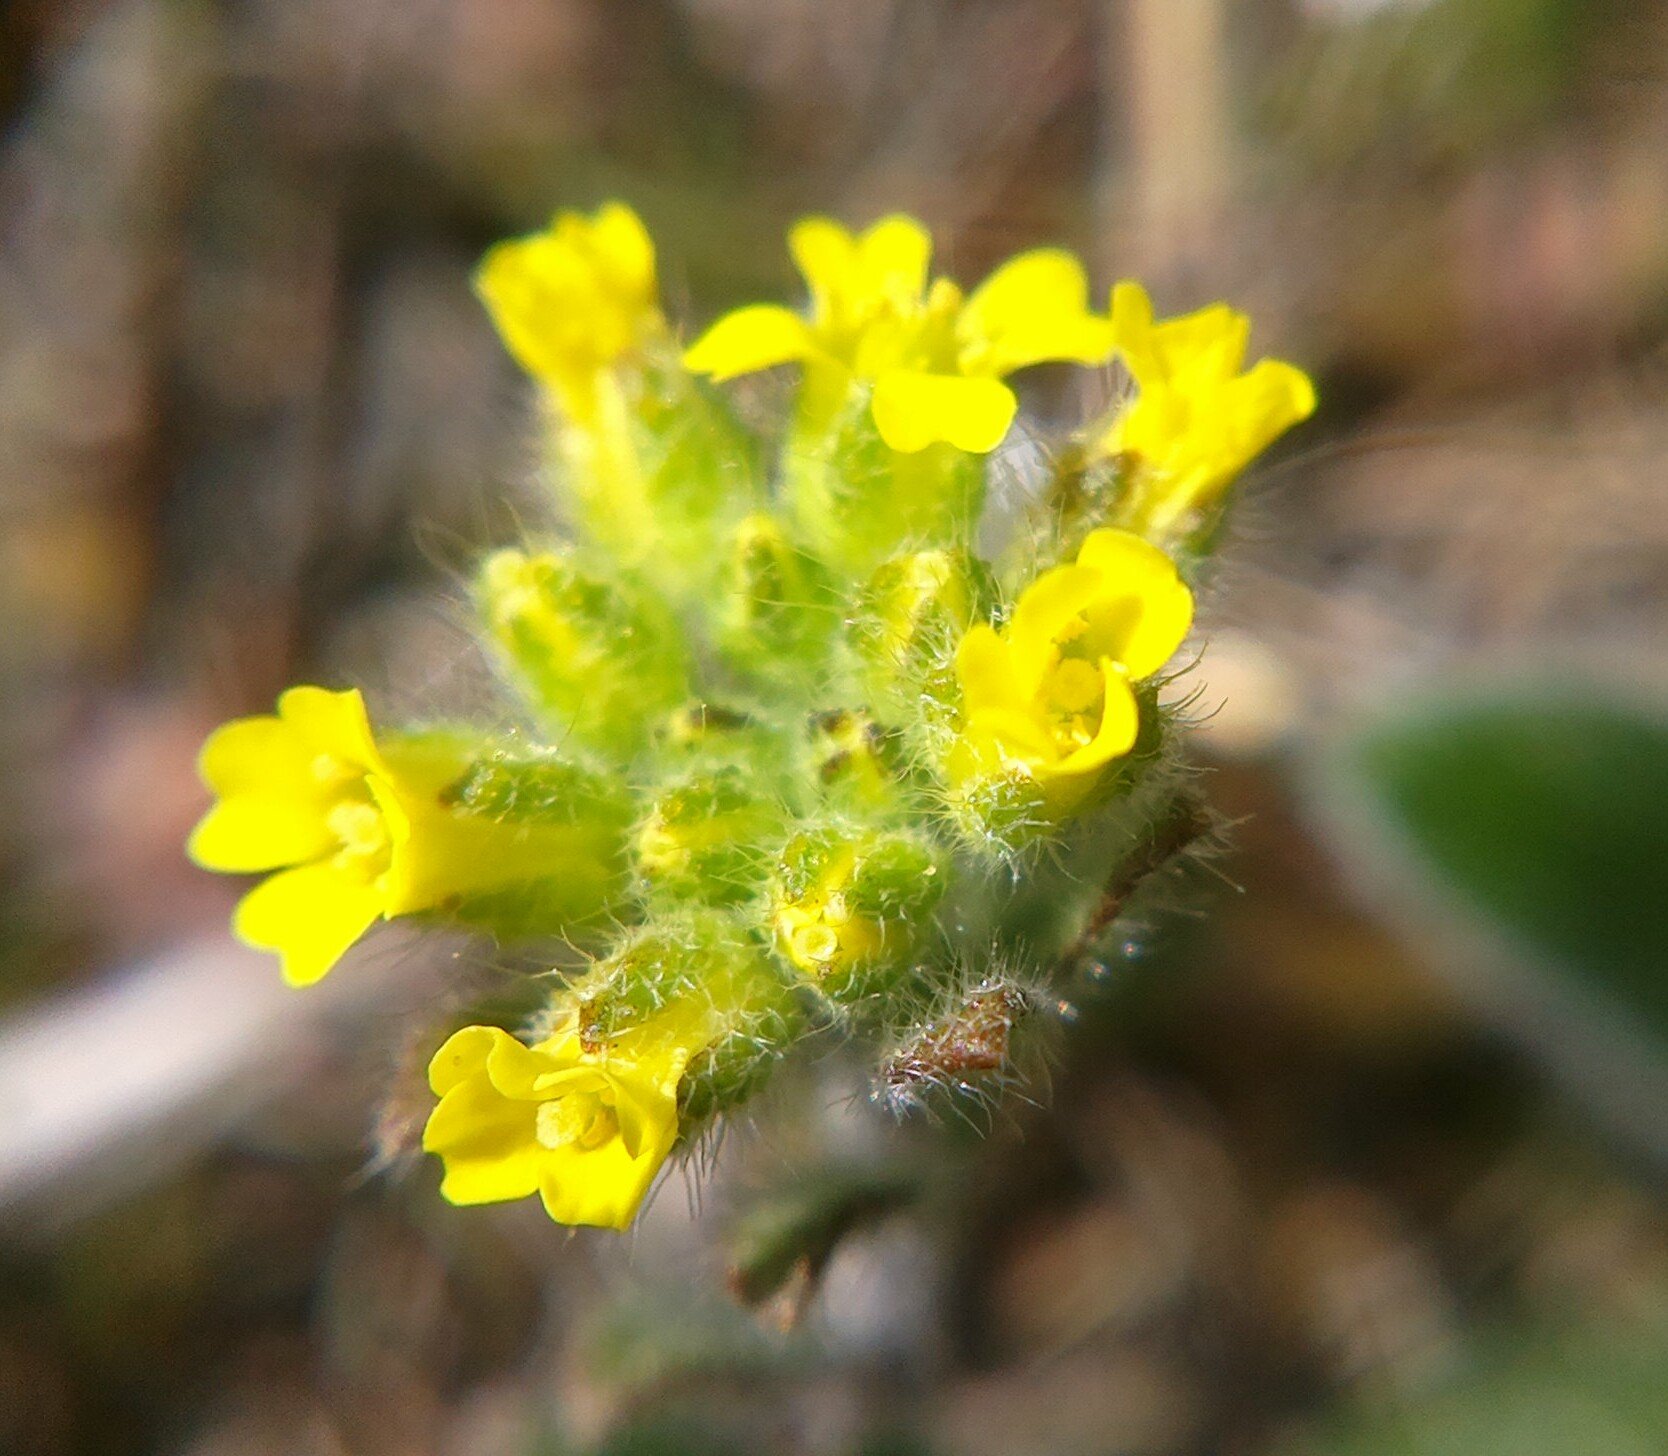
x=306, y=789
x=1048, y=699
x=935, y=359
x=575, y=299
x=357, y=832
x=1198, y=417
x=587, y=1130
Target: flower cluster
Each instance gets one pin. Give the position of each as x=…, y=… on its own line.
x=798, y=757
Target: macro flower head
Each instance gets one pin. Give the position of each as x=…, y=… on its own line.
x=1047, y=698
x=575, y=299
x=1198, y=416
x=586, y=1128
x=935, y=359
x=776, y=741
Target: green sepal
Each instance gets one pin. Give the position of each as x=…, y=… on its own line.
x=857, y=501
x=514, y=841
x=859, y=766
x=776, y=614
x=702, y=475
x=707, y=838
x=908, y=618
x=603, y=659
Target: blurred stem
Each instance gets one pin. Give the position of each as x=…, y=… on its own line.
x=784, y=1244
x=1173, y=833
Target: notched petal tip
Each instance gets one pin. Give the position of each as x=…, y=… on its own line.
x=310, y=916
x=463, y=1054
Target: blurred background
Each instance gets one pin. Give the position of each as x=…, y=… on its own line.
x=1354, y=1140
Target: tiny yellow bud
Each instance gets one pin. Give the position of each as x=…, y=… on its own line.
x=849, y=906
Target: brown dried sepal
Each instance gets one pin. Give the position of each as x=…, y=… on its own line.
x=958, y=1048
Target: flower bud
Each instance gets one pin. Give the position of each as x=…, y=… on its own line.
x=774, y=615
x=849, y=906
x=909, y=618
x=707, y=839
x=962, y=1046
x=602, y=660
x=856, y=764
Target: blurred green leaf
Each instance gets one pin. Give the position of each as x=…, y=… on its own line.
x=797, y=1231
x=1595, y=1393
x=1542, y=813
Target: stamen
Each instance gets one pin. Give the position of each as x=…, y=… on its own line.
x=582, y=1120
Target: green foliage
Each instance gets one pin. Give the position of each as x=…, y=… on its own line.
x=1594, y=1392
x=791, y=1235
x=1543, y=813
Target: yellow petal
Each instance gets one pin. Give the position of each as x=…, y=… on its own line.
x=531, y=287
x=892, y=260
x=1119, y=722
x=1018, y=738
x=1269, y=399
x=331, y=723
x=573, y=300
x=1211, y=340
x=913, y=410
x=463, y=1054
x=1153, y=610
x=624, y=250
x=826, y=255
x=247, y=834
x=263, y=755
x=542, y=1072
x=639, y=1113
x=1132, y=331
x=310, y=916
x=488, y=1143
x=1033, y=308
x=604, y=1187
x=758, y=336
x=1046, y=612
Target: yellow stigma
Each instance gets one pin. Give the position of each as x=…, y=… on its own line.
x=363, y=833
